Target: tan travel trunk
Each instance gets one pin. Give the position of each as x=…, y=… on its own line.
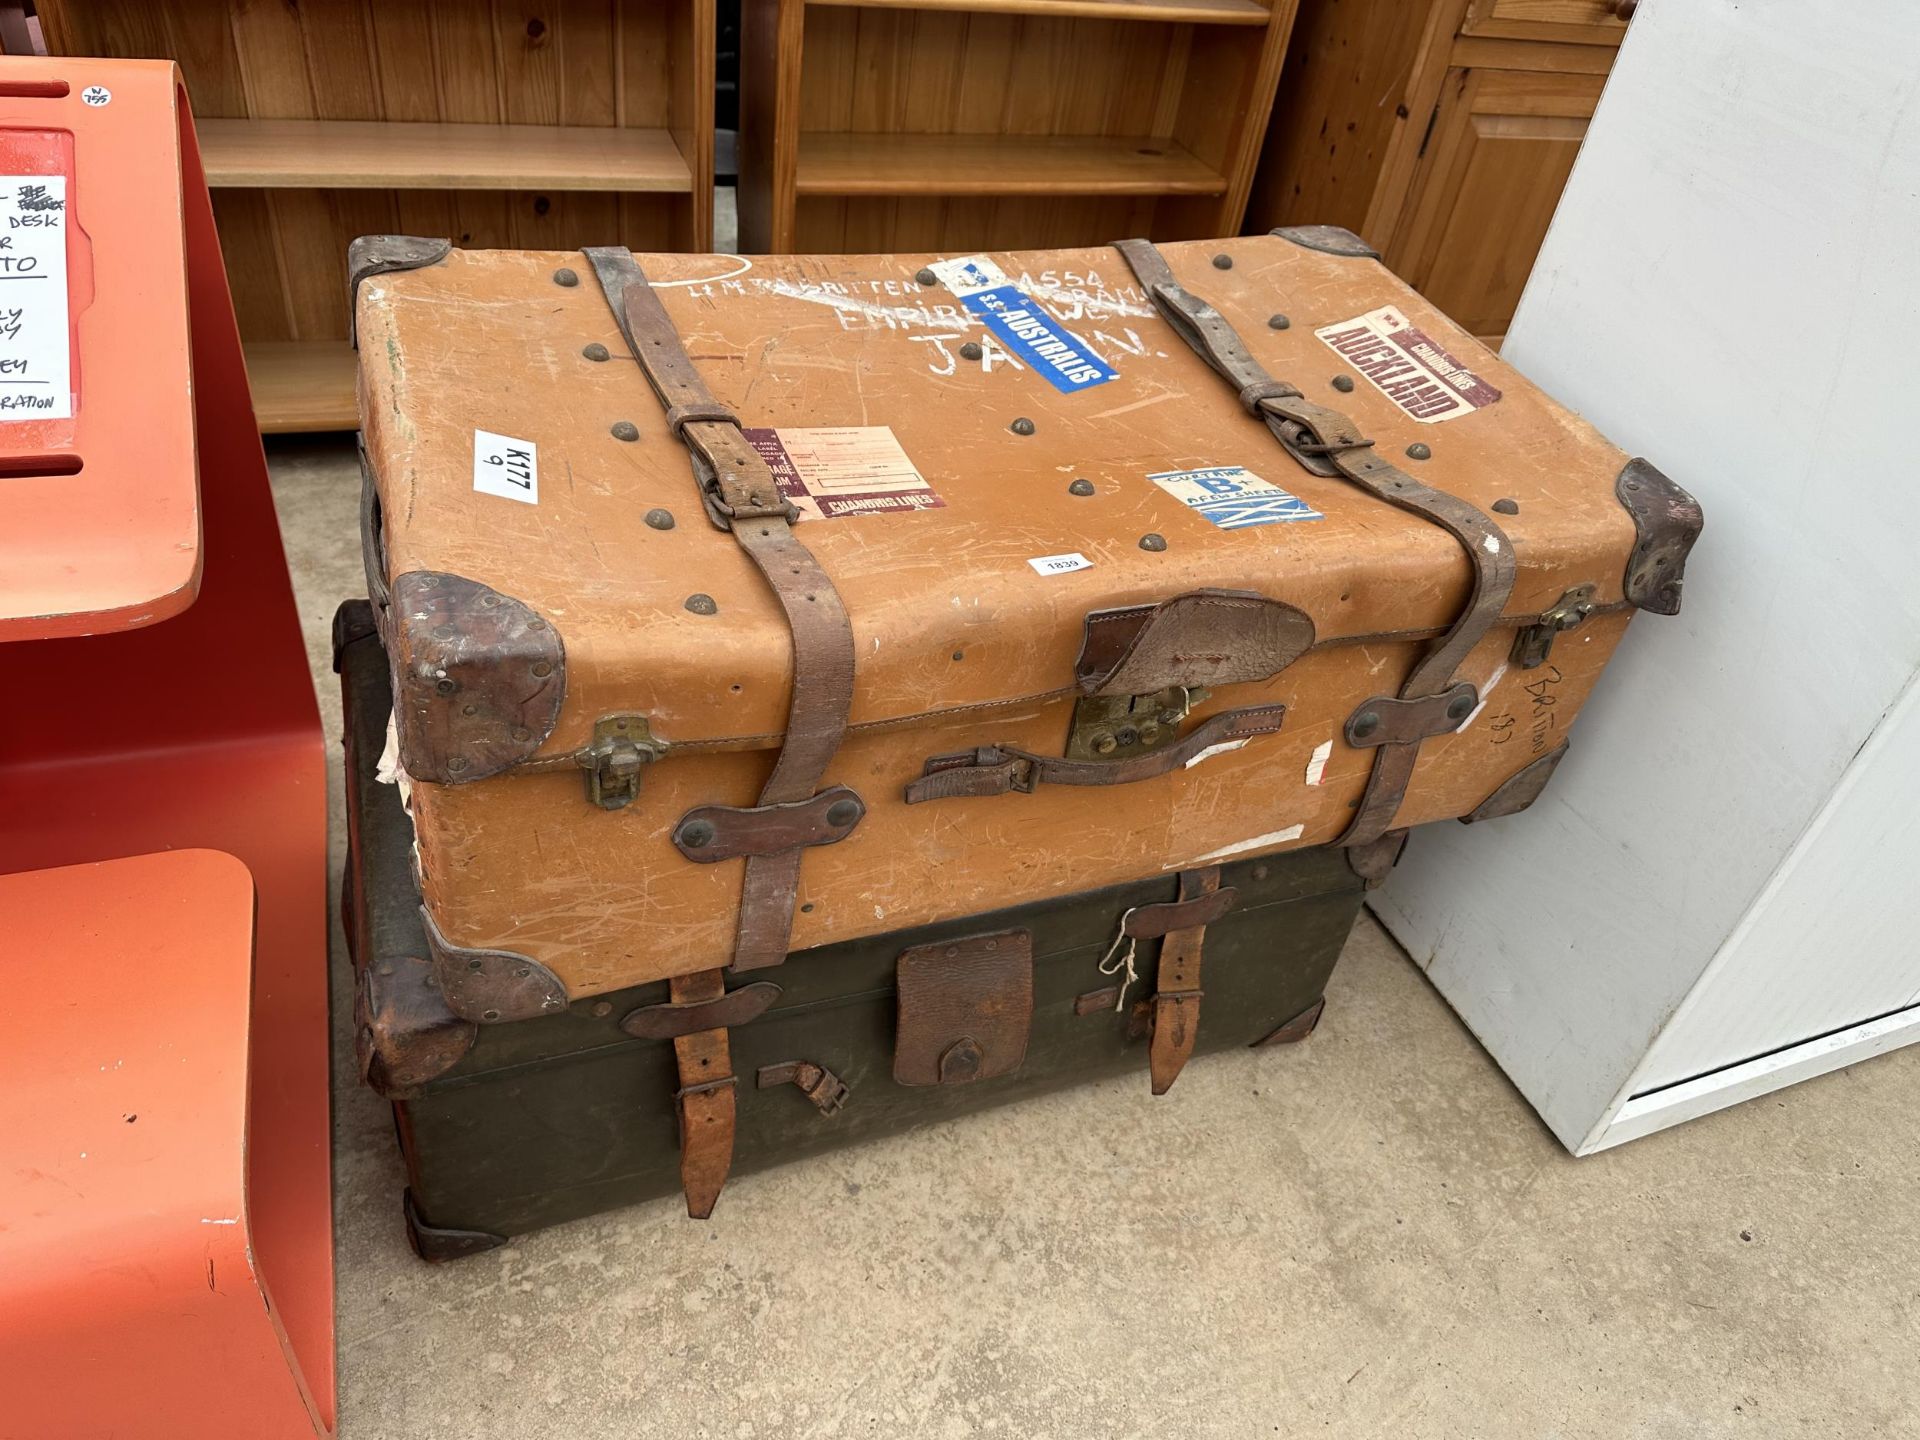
x=1082, y=588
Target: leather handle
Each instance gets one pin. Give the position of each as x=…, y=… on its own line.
x=997, y=769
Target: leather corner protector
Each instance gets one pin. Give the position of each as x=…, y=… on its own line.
x=1520, y=789
x=437, y=1245
x=1666, y=522
x=489, y=987
x=352, y=622
x=370, y=255
x=1332, y=239
x=405, y=1034
x=1375, y=860
x=478, y=677
x=1295, y=1030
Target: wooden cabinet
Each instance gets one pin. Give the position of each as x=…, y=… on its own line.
x=880, y=125
x=1441, y=132
x=544, y=124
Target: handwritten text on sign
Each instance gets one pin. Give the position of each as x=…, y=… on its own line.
x=35, y=368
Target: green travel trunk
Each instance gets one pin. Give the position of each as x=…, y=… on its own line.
x=510, y=1127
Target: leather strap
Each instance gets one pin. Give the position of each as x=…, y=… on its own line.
x=1176, y=999
x=1326, y=442
x=705, y=1099
x=997, y=769
x=741, y=496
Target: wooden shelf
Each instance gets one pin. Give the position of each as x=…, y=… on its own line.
x=831, y=163
x=1189, y=12
x=392, y=154
x=303, y=385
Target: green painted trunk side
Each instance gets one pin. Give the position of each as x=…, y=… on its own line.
x=552, y=1119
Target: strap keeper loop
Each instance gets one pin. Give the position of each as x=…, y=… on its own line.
x=695, y=412
x=1259, y=390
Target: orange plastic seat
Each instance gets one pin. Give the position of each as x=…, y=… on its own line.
x=132, y=1301
x=156, y=697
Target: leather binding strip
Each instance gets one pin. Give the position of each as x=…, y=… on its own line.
x=997, y=769
x=1176, y=998
x=705, y=1100
x=1326, y=442
x=741, y=496
x=739, y=493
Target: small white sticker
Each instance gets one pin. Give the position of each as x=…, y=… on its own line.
x=1317, y=762
x=1220, y=749
x=506, y=467
x=95, y=95
x=1272, y=837
x=1060, y=564
x=969, y=274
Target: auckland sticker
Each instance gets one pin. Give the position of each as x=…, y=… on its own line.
x=1233, y=497
x=1408, y=366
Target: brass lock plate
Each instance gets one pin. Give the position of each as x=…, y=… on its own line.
x=1119, y=727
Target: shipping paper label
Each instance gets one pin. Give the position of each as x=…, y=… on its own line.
x=1233, y=497
x=833, y=470
x=1408, y=366
x=969, y=274
x=36, y=371
x=506, y=467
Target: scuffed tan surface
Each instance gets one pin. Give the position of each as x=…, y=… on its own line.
x=1366, y=1235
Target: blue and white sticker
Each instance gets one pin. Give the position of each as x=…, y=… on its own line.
x=1032, y=334
x=1233, y=497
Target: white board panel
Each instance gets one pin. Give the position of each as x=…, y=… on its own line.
x=1720, y=291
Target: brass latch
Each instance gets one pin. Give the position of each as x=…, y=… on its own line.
x=1116, y=727
x=1534, y=643
x=622, y=745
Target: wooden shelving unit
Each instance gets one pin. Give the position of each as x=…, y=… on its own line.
x=534, y=126
x=1442, y=131
x=873, y=125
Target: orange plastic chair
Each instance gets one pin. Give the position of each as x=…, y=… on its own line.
x=155, y=697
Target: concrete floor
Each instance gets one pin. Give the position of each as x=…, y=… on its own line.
x=1366, y=1235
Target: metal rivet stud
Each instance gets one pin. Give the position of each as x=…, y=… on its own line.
x=1223, y=262
x=522, y=733
x=1460, y=707
x=843, y=812
x=1419, y=451
x=625, y=430
x=456, y=763
x=927, y=277
x=445, y=687
x=1507, y=507
x=1104, y=744
x=1365, y=724
x=959, y=655
x=1022, y=426
x=602, y=1009
x=807, y=909
x=660, y=519
x=489, y=1014
x=1151, y=541
x=702, y=605
x=597, y=351
x=1278, y=322
x=543, y=668
x=1343, y=383
x=566, y=277
x=971, y=350
x=1080, y=487
x=696, y=834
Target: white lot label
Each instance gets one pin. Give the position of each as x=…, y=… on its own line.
x=35, y=371
x=506, y=467
x=1060, y=564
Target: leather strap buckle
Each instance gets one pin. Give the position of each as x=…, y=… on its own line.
x=826, y=1090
